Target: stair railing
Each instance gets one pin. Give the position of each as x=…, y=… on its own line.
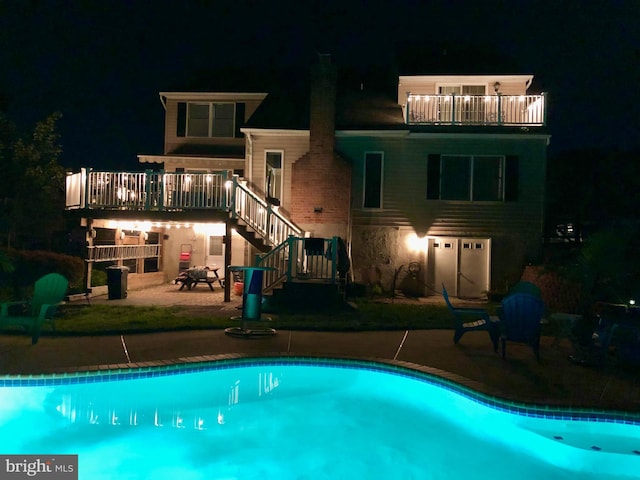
x=260, y=216
x=297, y=258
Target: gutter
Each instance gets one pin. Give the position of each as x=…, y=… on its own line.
x=163, y=101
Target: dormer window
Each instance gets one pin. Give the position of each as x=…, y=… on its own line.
x=211, y=119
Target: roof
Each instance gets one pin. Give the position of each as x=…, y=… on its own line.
x=357, y=107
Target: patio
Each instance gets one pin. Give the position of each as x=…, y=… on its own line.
x=553, y=381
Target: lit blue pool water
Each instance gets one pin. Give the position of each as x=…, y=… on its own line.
x=279, y=419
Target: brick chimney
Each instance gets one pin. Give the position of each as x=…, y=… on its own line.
x=321, y=179
x=322, y=109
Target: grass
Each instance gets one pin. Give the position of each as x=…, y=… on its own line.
x=362, y=315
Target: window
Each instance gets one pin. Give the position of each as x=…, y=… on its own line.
x=210, y=120
x=373, y=164
x=480, y=178
x=215, y=246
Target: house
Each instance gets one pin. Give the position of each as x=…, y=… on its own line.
x=443, y=183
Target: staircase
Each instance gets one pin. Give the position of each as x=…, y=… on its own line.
x=257, y=221
x=302, y=271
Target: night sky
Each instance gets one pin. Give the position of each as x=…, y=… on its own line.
x=102, y=63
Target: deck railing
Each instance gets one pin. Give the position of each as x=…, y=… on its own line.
x=160, y=191
x=146, y=190
x=106, y=253
x=507, y=110
x=298, y=258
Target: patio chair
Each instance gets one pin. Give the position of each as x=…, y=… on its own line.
x=525, y=287
x=521, y=321
x=48, y=292
x=471, y=319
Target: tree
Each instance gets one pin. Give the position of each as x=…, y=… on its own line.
x=593, y=188
x=32, y=184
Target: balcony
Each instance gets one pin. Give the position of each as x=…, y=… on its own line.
x=151, y=191
x=475, y=110
x=100, y=191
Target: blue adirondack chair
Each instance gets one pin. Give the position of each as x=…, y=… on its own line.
x=471, y=319
x=525, y=287
x=520, y=321
x=48, y=292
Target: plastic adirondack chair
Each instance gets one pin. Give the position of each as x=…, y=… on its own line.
x=520, y=321
x=48, y=292
x=470, y=319
x=525, y=287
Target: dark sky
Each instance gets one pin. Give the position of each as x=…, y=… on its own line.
x=102, y=63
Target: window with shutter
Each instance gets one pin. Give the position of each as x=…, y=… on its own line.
x=479, y=178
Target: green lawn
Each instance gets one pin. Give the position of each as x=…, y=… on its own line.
x=364, y=315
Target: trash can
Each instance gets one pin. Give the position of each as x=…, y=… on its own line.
x=117, y=281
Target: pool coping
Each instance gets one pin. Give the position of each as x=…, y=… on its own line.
x=472, y=389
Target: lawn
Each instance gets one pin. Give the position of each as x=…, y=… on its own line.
x=358, y=316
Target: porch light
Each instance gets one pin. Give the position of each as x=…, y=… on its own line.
x=417, y=244
x=228, y=184
x=467, y=98
x=632, y=302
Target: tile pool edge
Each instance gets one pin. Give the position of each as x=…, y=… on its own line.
x=472, y=389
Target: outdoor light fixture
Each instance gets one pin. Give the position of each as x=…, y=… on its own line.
x=496, y=87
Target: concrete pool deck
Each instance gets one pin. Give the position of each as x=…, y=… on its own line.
x=552, y=381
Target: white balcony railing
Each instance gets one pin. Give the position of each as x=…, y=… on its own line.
x=146, y=190
x=175, y=192
x=507, y=110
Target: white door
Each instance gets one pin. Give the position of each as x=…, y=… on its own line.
x=462, y=264
x=273, y=177
x=445, y=264
x=473, y=271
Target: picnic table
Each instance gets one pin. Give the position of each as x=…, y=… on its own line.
x=195, y=275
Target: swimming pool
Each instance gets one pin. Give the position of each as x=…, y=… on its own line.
x=287, y=418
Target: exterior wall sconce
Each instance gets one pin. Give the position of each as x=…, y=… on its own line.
x=317, y=209
x=496, y=87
